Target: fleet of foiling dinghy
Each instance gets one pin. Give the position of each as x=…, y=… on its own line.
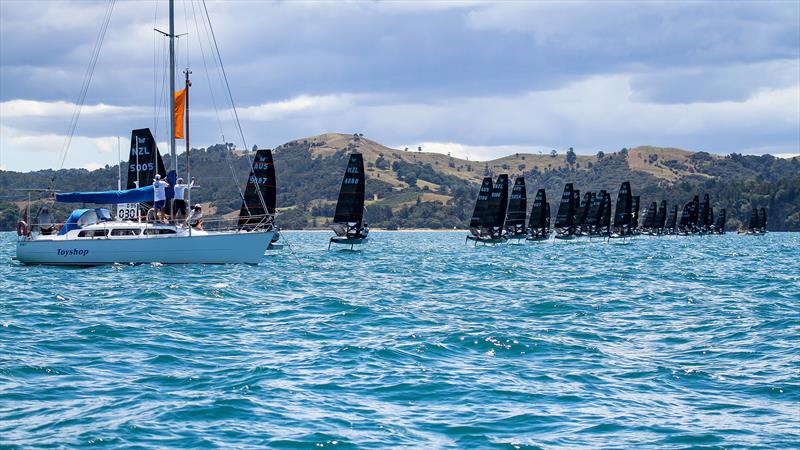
x=539, y=223
x=348, y=220
x=592, y=216
x=517, y=209
x=487, y=225
x=90, y=236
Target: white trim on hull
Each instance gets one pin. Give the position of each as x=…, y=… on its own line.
x=200, y=248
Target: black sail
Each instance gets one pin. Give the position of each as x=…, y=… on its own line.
x=672, y=219
x=582, y=212
x=661, y=218
x=762, y=219
x=350, y=205
x=566, y=209
x=547, y=216
x=262, y=178
x=144, y=161
x=595, y=210
x=635, y=211
x=622, y=213
x=605, y=218
x=686, y=215
x=650, y=215
x=719, y=225
x=538, y=211
x=517, y=205
x=753, y=219
x=476, y=221
x=498, y=203
x=695, y=211
x=703, y=213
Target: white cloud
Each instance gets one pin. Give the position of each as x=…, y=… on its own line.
x=23, y=151
x=308, y=104
x=33, y=108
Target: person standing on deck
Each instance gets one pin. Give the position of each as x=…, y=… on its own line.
x=179, y=202
x=159, y=196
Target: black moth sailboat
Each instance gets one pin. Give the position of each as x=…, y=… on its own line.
x=260, y=191
x=758, y=222
x=517, y=208
x=478, y=214
x=719, y=224
x=348, y=221
x=565, y=217
x=635, y=214
x=539, y=224
x=623, y=212
x=650, y=214
x=671, y=225
x=661, y=217
x=488, y=220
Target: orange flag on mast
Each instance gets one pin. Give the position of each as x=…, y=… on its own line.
x=180, y=107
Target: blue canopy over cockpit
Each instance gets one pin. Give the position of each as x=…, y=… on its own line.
x=84, y=217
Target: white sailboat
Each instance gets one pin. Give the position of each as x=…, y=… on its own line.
x=93, y=237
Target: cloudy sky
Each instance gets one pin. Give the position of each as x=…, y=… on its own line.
x=477, y=79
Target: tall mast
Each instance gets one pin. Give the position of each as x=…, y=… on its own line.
x=172, y=153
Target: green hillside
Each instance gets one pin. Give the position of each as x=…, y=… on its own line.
x=414, y=189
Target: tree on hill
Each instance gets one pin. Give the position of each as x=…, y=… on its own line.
x=553, y=153
x=571, y=157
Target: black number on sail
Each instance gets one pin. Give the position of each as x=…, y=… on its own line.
x=350, y=205
x=262, y=178
x=476, y=221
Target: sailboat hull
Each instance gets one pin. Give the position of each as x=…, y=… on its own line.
x=200, y=248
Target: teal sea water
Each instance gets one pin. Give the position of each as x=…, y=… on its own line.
x=418, y=341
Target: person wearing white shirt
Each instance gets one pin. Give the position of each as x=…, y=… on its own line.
x=179, y=202
x=159, y=196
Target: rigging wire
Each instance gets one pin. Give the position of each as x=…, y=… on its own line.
x=214, y=100
x=233, y=105
x=87, y=79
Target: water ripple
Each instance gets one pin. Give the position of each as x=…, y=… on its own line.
x=416, y=341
